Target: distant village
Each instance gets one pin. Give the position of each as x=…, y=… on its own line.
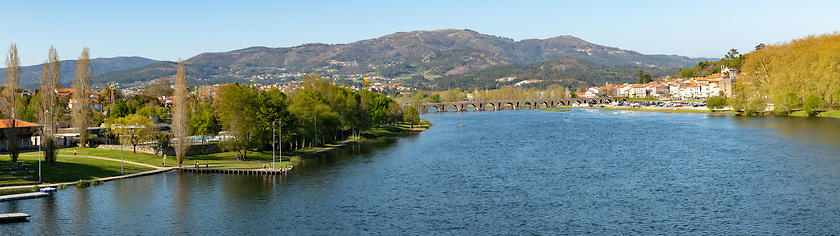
x=672, y=89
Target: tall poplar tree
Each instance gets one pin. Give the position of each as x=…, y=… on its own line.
x=10, y=107
x=80, y=113
x=48, y=116
x=180, y=113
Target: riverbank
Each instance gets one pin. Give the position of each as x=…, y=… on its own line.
x=75, y=163
x=264, y=159
x=659, y=109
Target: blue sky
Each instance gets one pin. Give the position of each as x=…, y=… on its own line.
x=167, y=30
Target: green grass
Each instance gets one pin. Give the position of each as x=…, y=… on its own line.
x=68, y=169
x=15, y=191
x=128, y=155
x=835, y=113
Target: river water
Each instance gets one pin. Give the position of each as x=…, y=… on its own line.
x=505, y=172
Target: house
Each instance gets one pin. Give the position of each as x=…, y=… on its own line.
x=25, y=132
x=640, y=91
x=661, y=90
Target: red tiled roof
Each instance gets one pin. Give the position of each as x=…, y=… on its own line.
x=7, y=123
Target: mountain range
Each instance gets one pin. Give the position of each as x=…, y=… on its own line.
x=446, y=52
x=29, y=74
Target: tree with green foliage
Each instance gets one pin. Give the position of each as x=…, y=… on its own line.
x=411, y=116
x=716, y=102
x=756, y=105
x=785, y=103
x=120, y=109
x=133, y=128
x=812, y=103
x=152, y=111
x=740, y=99
x=203, y=120
x=732, y=54
x=837, y=96
x=237, y=111
x=309, y=107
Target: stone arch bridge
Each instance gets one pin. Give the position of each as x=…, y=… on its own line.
x=516, y=104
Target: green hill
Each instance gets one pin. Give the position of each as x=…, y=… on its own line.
x=29, y=74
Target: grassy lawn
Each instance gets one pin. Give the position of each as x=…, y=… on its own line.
x=128, y=155
x=831, y=114
x=68, y=169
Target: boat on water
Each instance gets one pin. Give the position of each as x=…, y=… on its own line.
x=461, y=125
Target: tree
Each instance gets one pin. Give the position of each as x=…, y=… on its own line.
x=203, y=120
x=759, y=46
x=120, y=109
x=837, y=96
x=411, y=116
x=716, y=102
x=756, y=105
x=236, y=108
x=80, y=114
x=161, y=87
x=10, y=108
x=180, y=113
x=135, y=128
x=732, y=54
x=812, y=103
x=49, y=113
x=740, y=99
x=785, y=103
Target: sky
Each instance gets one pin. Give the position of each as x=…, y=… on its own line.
x=169, y=30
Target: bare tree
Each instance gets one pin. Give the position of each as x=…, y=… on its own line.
x=180, y=113
x=48, y=98
x=10, y=107
x=81, y=85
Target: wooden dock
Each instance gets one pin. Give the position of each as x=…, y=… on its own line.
x=21, y=196
x=13, y=217
x=237, y=171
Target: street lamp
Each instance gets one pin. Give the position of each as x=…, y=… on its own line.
x=122, y=170
x=274, y=143
x=40, y=141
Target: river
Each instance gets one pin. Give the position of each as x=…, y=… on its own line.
x=505, y=172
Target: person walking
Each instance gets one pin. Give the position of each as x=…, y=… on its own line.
x=74, y=152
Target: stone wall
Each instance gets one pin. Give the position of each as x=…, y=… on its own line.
x=169, y=151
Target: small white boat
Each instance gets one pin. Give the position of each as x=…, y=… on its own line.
x=48, y=190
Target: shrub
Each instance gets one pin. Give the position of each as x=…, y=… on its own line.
x=62, y=186
x=812, y=103
x=36, y=188
x=95, y=182
x=82, y=183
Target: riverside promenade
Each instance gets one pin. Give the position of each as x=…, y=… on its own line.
x=158, y=169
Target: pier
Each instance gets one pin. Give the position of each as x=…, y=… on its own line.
x=237, y=171
x=21, y=196
x=13, y=217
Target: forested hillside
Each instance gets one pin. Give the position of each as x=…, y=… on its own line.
x=792, y=73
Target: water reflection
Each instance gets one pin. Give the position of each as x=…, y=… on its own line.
x=506, y=172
